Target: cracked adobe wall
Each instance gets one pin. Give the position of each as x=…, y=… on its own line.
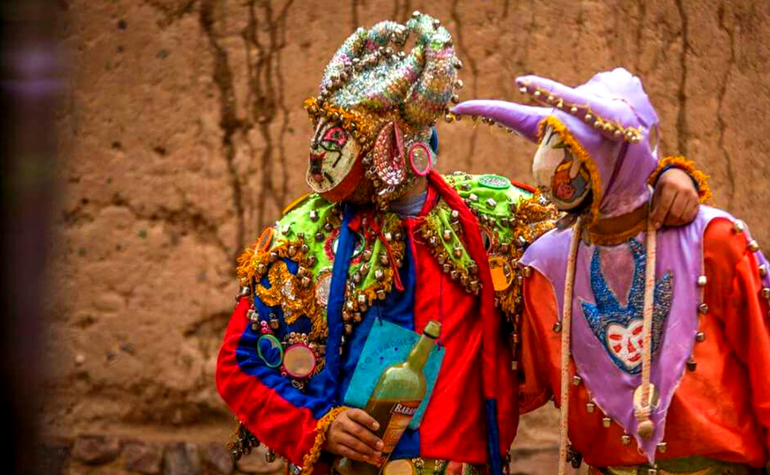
x=184, y=135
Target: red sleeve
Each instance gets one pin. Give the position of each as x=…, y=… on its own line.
x=537, y=320
x=288, y=421
x=735, y=285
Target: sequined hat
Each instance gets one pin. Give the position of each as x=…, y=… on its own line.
x=370, y=80
x=388, y=99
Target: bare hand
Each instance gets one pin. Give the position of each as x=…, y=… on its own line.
x=675, y=202
x=351, y=436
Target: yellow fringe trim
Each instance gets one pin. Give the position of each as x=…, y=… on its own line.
x=363, y=124
x=311, y=457
x=532, y=221
x=305, y=298
x=245, y=269
x=581, y=154
x=682, y=163
x=249, y=261
x=286, y=290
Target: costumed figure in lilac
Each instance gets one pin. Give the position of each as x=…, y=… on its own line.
x=654, y=343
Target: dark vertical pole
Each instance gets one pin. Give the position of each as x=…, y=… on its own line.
x=29, y=86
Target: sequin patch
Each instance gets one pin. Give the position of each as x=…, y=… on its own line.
x=299, y=361
x=322, y=289
x=619, y=328
x=495, y=182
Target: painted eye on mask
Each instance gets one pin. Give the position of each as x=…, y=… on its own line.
x=334, y=139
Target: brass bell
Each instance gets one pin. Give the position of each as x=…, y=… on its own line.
x=691, y=364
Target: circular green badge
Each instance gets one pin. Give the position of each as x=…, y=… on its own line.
x=270, y=350
x=496, y=182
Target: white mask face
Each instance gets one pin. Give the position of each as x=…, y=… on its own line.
x=559, y=174
x=333, y=152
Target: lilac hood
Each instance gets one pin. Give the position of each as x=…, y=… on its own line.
x=609, y=123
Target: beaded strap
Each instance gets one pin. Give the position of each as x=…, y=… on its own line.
x=566, y=327
x=646, y=427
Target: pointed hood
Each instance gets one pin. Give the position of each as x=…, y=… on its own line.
x=608, y=121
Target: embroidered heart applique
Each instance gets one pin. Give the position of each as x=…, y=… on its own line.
x=619, y=327
x=626, y=342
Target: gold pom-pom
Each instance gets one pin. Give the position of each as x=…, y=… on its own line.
x=645, y=429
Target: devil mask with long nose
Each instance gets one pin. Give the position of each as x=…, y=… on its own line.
x=375, y=110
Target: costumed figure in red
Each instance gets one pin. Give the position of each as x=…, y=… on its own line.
x=383, y=245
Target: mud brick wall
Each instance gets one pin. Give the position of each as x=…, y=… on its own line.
x=182, y=136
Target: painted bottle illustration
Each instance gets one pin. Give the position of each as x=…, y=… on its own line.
x=394, y=401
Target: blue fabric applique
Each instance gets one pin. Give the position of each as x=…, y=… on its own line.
x=618, y=328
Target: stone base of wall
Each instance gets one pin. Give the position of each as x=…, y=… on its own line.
x=104, y=455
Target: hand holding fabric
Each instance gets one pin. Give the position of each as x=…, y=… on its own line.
x=675, y=201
